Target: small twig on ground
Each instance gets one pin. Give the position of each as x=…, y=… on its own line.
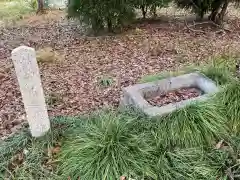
x=189, y=27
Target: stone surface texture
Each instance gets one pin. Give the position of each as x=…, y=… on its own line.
x=135, y=95
x=27, y=71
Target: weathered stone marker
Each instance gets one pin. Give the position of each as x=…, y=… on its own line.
x=25, y=63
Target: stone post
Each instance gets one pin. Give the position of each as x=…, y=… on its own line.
x=25, y=63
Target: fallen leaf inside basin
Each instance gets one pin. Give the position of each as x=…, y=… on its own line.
x=174, y=96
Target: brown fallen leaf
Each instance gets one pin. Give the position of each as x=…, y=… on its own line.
x=219, y=144
x=174, y=96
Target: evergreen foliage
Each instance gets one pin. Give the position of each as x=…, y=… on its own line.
x=111, y=14
x=118, y=13
x=217, y=8
x=102, y=13
x=151, y=5
x=199, y=7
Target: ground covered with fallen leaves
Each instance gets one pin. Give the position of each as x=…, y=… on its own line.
x=161, y=99
x=71, y=80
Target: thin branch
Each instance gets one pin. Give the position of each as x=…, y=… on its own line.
x=189, y=27
x=206, y=22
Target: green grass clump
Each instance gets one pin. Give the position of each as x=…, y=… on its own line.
x=106, y=81
x=110, y=144
x=226, y=158
x=22, y=158
x=229, y=98
x=26, y=158
x=219, y=70
x=163, y=75
x=190, y=164
x=103, y=149
x=220, y=75
x=195, y=125
x=174, y=163
x=10, y=147
x=182, y=145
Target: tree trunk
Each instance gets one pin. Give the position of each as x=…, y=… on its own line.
x=109, y=25
x=199, y=16
x=154, y=11
x=216, y=6
x=97, y=24
x=223, y=11
x=213, y=15
x=40, y=6
x=144, y=11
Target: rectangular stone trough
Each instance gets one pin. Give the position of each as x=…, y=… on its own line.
x=134, y=96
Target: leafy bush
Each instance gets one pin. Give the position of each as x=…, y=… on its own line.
x=101, y=13
x=199, y=7
x=217, y=8
x=111, y=13
x=145, y=5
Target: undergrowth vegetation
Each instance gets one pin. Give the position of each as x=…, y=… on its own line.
x=111, y=14
x=220, y=69
x=27, y=158
x=197, y=125
x=114, y=14
x=229, y=98
x=14, y=10
x=198, y=142
x=107, y=146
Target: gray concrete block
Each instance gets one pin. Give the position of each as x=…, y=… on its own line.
x=135, y=95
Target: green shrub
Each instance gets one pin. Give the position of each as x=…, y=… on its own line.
x=101, y=13
x=145, y=5
x=199, y=7
x=111, y=13
x=218, y=8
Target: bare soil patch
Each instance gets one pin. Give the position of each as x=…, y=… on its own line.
x=174, y=96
